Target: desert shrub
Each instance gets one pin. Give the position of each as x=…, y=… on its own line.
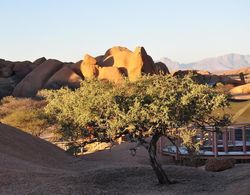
x=28, y=120
x=24, y=113
x=188, y=137
x=9, y=104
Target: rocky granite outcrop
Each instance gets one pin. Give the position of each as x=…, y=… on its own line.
x=118, y=62
x=64, y=77
x=12, y=73
x=6, y=86
x=24, y=79
x=36, y=79
x=241, y=90
x=205, y=77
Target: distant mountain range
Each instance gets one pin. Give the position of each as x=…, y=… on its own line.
x=216, y=64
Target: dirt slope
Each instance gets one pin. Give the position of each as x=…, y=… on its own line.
x=20, y=145
x=29, y=165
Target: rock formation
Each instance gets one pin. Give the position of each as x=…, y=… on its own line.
x=6, y=86
x=35, y=80
x=135, y=63
x=24, y=79
x=76, y=67
x=89, y=68
x=123, y=62
x=6, y=69
x=205, y=77
x=64, y=77
x=38, y=61
x=241, y=90
x=161, y=68
x=22, y=68
x=10, y=74
x=112, y=74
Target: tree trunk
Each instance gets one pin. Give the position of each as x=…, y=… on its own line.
x=160, y=173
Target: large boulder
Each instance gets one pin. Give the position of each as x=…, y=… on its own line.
x=76, y=67
x=128, y=63
x=64, y=77
x=88, y=59
x=6, y=68
x=6, y=86
x=89, y=68
x=12, y=73
x=38, y=61
x=135, y=63
x=22, y=68
x=100, y=59
x=219, y=164
x=161, y=68
x=112, y=74
x=36, y=79
x=241, y=90
x=148, y=65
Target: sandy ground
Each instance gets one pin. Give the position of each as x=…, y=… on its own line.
x=30, y=165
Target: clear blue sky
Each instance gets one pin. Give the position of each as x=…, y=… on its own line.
x=183, y=30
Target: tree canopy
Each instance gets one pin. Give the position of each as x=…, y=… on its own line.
x=150, y=107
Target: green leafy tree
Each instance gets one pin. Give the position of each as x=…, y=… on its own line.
x=153, y=106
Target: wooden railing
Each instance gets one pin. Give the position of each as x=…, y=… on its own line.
x=233, y=141
x=240, y=77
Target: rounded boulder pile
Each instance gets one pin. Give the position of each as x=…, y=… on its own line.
x=118, y=62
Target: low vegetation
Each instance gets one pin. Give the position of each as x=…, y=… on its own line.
x=24, y=113
x=154, y=106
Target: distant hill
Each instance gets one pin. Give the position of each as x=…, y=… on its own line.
x=217, y=64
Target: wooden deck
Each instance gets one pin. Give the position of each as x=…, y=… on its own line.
x=232, y=142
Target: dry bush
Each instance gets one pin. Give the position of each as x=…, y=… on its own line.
x=24, y=113
x=10, y=104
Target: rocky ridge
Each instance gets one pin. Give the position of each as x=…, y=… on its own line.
x=25, y=79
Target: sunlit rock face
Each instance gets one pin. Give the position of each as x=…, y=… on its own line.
x=25, y=79
x=118, y=62
x=64, y=77
x=241, y=90
x=89, y=68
